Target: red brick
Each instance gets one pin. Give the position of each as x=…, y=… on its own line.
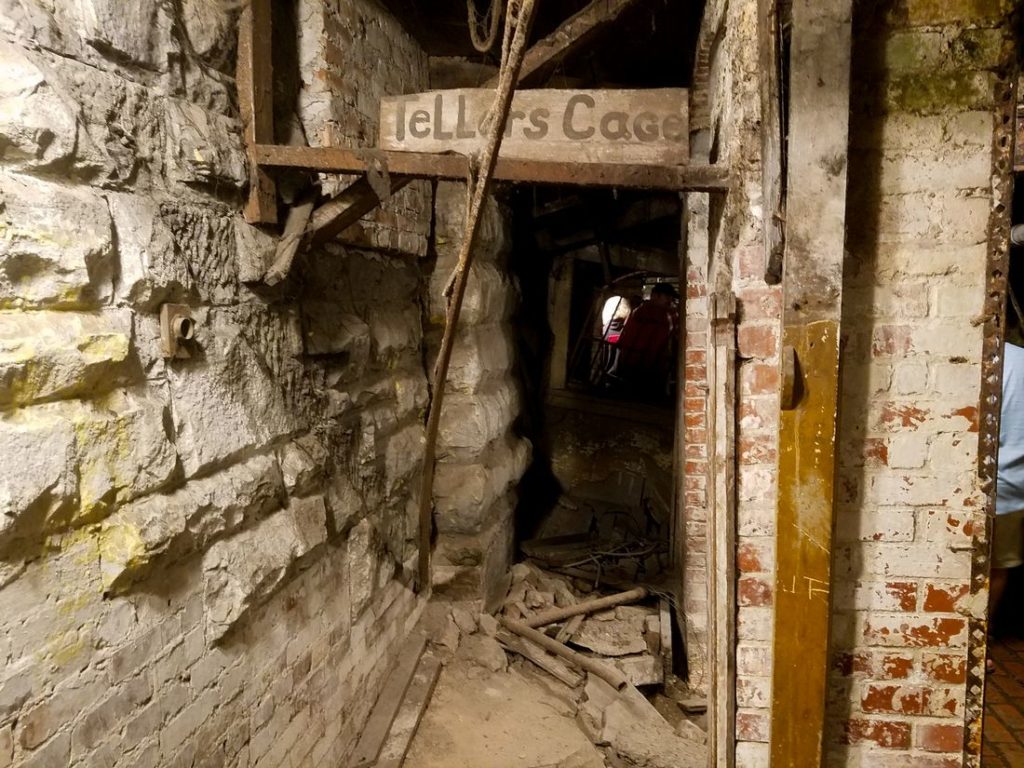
x=696, y=356
x=891, y=340
x=970, y=413
x=945, y=599
x=904, y=593
x=757, y=341
x=759, y=378
x=759, y=303
x=756, y=450
x=752, y=556
x=758, y=413
x=941, y=738
x=697, y=419
x=893, y=699
x=891, y=734
x=750, y=262
x=903, y=416
x=754, y=591
x=696, y=372
x=695, y=436
x=695, y=404
x=752, y=726
x=934, y=633
x=944, y=667
x=876, y=450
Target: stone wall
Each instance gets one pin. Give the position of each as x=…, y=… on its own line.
x=207, y=558
x=480, y=455
x=909, y=496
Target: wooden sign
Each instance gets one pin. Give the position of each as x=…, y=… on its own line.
x=646, y=126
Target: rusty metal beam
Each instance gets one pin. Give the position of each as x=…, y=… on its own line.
x=254, y=78
x=574, y=33
x=812, y=303
x=990, y=400
x=423, y=165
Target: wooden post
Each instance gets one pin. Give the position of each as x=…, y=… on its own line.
x=773, y=148
x=255, y=81
x=812, y=303
x=721, y=530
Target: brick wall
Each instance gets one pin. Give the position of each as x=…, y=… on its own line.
x=202, y=561
x=725, y=255
x=909, y=497
x=909, y=503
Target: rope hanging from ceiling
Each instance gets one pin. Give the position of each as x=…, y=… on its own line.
x=483, y=30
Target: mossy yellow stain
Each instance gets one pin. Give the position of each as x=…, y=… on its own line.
x=105, y=471
x=112, y=347
x=120, y=544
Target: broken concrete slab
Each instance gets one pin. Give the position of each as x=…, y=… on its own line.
x=611, y=638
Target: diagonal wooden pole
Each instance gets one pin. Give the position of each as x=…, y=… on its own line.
x=499, y=115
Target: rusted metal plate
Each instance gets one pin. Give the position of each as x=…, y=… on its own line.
x=812, y=295
x=254, y=78
x=420, y=165
x=579, y=126
x=1003, y=163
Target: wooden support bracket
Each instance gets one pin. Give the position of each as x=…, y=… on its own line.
x=812, y=303
x=574, y=33
x=721, y=533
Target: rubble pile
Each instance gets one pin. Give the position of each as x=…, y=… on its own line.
x=601, y=648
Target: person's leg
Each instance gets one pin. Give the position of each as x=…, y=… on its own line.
x=1007, y=553
x=996, y=588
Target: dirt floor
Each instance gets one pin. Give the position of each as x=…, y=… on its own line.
x=507, y=719
x=494, y=708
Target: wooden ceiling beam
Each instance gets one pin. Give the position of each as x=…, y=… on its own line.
x=574, y=33
x=425, y=165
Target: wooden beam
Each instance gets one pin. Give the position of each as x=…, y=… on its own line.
x=773, y=147
x=288, y=246
x=721, y=530
x=812, y=303
x=255, y=81
x=347, y=207
x=375, y=732
x=574, y=33
x=423, y=165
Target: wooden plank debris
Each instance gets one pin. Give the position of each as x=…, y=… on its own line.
x=347, y=207
x=607, y=673
x=425, y=165
x=410, y=714
x=573, y=34
x=254, y=78
x=587, y=606
x=550, y=663
x=374, y=733
x=665, y=628
x=819, y=110
x=288, y=246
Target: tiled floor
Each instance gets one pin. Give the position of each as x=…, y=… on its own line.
x=1004, y=706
